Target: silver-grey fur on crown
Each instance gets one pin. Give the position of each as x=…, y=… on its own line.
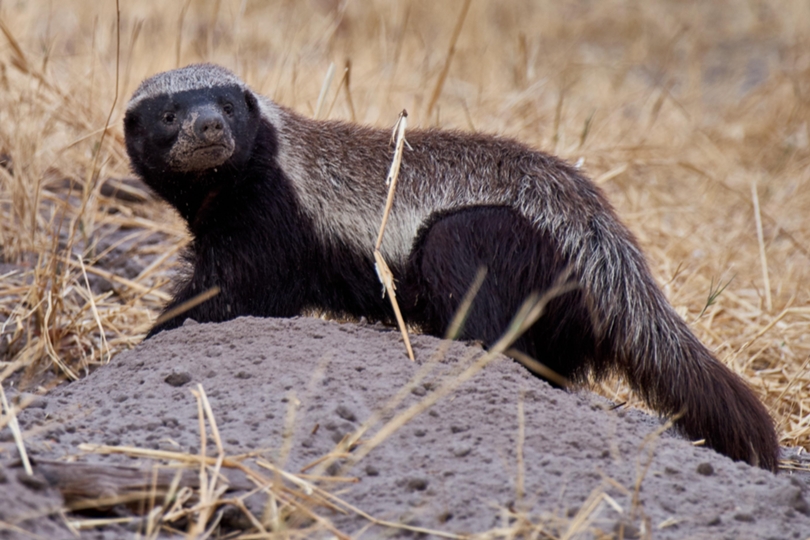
x=192, y=77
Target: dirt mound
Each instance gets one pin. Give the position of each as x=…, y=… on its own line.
x=456, y=467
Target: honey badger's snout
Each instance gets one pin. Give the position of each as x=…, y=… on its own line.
x=209, y=125
x=205, y=141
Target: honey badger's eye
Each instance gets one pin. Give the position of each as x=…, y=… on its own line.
x=228, y=109
x=169, y=117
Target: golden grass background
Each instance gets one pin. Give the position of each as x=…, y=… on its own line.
x=691, y=115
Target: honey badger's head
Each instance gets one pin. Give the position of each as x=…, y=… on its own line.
x=192, y=122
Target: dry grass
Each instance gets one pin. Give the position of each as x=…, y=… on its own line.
x=692, y=116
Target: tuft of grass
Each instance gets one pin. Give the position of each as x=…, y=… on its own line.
x=714, y=294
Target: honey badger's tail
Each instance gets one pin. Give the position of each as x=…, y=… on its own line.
x=641, y=334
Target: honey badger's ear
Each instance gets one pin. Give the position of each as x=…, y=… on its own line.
x=134, y=132
x=131, y=122
x=250, y=101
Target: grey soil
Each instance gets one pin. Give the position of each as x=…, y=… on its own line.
x=453, y=468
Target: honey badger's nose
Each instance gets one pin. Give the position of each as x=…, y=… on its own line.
x=209, y=125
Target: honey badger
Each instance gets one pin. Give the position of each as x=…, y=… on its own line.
x=284, y=210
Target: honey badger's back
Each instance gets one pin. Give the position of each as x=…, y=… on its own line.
x=311, y=195
x=343, y=190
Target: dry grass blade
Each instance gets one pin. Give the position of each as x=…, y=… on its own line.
x=520, y=476
x=188, y=304
x=19, y=59
x=7, y=418
x=383, y=272
x=160, y=295
x=644, y=467
x=85, y=524
x=538, y=367
x=586, y=514
x=393, y=172
x=209, y=492
x=463, y=311
x=347, y=78
x=387, y=279
x=761, y=239
x=327, y=83
x=390, y=524
x=19, y=530
x=11, y=420
x=448, y=59
x=104, y=345
x=802, y=372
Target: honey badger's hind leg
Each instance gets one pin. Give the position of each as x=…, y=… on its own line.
x=519, y=259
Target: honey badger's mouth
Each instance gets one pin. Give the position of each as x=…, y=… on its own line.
x=196, y=156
